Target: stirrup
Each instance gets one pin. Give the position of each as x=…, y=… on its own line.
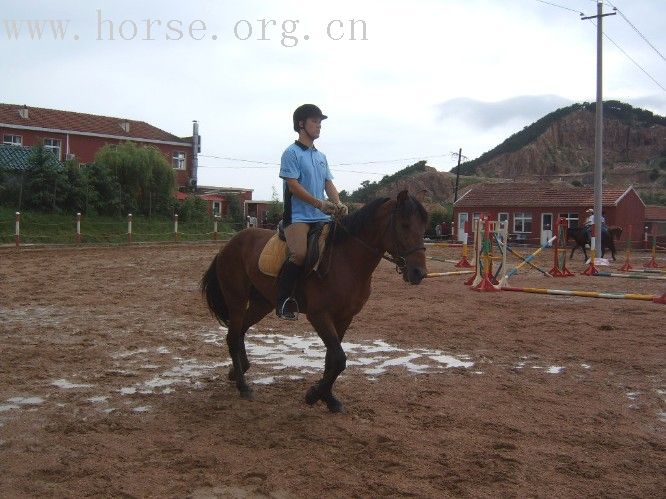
x=285, y=313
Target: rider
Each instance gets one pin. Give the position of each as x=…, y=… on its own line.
x=589, y=222
x=306, y=177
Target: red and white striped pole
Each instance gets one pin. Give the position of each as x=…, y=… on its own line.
x=18, y=229
x=78, y=229
x=129, y=228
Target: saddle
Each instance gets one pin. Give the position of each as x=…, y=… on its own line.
x=275, y=251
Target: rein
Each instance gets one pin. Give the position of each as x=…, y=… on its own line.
x=400, y=261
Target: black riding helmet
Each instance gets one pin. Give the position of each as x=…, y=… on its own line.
x=306, y=111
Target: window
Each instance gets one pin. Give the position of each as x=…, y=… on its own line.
x=178, y=160
x=12, y=140
x=522, y=222
x=53, y=145
x=217, y=208
x=572, y=218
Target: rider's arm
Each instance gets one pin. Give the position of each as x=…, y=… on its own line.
x=297, y=190
x=332, y=192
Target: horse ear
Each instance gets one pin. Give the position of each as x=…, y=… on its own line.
x=402, y=197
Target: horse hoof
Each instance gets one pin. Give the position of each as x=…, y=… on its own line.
x=334, y=405
x=312, y=395
x=247, y=394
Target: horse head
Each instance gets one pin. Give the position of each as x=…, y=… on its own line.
x=403, y=236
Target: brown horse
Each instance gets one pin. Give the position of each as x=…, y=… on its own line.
x=581, y=237
x=239, y=295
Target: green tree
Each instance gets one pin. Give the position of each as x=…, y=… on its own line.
x=43, y=184
x=146, y=179
x=103, y=195
x=235, y=212
x=193, y=209
x=275, y=209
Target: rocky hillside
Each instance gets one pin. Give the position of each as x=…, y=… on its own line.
x=559, y=147
x=566, y=146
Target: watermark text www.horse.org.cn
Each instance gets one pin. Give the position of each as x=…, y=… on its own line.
x=287, y=32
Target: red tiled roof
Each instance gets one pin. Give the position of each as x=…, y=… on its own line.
x=511, y=194
x=655, y=213
x=81, y=122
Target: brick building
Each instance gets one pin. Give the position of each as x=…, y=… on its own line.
x=531, y=209
x=78, y=136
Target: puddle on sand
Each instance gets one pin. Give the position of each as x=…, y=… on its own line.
x=68, y=385
x=306, y=353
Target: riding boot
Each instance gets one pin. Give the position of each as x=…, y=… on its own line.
x=286, y=282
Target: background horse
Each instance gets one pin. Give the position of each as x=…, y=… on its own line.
x=239, y=295
x=580, y=237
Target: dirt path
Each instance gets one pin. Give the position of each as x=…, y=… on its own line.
x=113, y=383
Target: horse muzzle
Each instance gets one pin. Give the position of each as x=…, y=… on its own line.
x=414, y=275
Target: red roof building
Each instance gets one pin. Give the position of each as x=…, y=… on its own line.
x=78, y=136
x=655, y=223
x=531, y=209
x=218, y=198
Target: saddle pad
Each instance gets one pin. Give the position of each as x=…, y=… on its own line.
x=273, y=256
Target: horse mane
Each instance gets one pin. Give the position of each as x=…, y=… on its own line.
x=361, y=219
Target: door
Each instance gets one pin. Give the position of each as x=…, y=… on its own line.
x=546, y=227
x=462, y=219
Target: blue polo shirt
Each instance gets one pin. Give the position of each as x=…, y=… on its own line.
x=310, y=168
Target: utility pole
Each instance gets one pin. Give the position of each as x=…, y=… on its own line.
x=598, y=131
x=460, y=156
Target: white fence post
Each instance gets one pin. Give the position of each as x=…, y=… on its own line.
x=78, y=229
x=175, y=227
x=18, y=229
x=129, y=228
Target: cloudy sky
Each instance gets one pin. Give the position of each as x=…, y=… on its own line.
x=412, y=80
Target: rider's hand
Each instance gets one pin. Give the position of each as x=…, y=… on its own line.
x=341, y=210
x=327, y=207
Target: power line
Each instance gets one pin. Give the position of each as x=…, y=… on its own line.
x=334, y=167
x=560, y=6
x=239, y=159
x=613, y=42
x=637, y=31
x=632, y=60
x=391, y=160
x=238, y=167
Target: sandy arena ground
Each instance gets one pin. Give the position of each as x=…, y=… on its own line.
x=113, y=384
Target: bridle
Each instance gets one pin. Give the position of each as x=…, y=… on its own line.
x=398, y=258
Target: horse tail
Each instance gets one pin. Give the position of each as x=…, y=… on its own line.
x=210, y=288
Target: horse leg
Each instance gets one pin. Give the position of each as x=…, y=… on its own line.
x=236, y=344
x=335, y=363
x=258, y=308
